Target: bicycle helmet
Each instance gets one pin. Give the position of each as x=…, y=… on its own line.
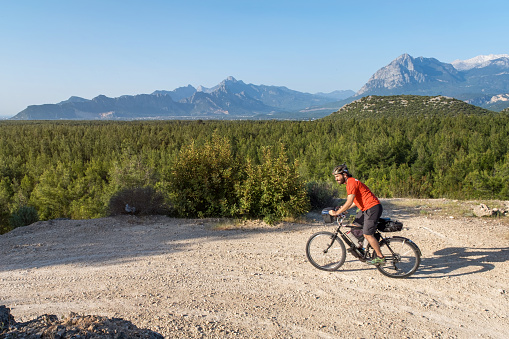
x=340, y=169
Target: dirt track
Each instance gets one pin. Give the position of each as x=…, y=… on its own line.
x=183, y=278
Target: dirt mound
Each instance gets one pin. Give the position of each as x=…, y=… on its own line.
x=73, y=326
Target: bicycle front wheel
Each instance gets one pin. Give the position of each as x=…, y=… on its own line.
x=402, y=257
x=325, y=251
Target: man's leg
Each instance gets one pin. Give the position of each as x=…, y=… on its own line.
x=374, y=243
x=370, y=221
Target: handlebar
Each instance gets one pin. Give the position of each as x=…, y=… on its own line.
x=342, y=216
x=339, y=218
x=328, y=218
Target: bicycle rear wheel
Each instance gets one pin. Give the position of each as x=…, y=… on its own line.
x=403, y=260
x=325, y=251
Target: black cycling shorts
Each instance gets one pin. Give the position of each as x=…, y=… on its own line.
x=369, y=218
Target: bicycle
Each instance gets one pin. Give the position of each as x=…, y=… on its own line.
x=326, y=250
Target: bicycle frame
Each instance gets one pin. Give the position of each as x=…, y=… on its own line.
x=360, y=253
x=363, y=254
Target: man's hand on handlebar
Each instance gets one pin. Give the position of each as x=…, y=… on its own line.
x=333, y=213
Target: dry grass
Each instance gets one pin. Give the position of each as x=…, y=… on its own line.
x=226, y=224
x=436, y=207
x=416, y=207
x=297, y=220
x=443, y=207
x=222, y=224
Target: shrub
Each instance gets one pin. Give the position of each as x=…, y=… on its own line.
x=208, y=181
x=322, y=194
x=203, y=180
x=273, y=190
x=23, y=216
x=138, y=201
x=4, y=228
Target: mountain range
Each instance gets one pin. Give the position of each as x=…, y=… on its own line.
x=231, y=99
x=482, y=81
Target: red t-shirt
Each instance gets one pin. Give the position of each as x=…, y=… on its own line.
x=364, y=198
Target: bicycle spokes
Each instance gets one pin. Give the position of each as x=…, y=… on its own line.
x=402, y=257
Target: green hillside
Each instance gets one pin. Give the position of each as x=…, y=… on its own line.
x=405, y=106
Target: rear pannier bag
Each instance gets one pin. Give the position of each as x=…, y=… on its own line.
x=388, y=225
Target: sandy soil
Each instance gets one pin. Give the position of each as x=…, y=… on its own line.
x=184, y=278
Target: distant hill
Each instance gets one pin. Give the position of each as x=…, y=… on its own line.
x=374, y=106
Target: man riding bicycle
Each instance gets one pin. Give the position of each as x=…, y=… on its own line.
x=368, y=204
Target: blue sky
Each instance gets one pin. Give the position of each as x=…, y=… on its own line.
x=53, y=49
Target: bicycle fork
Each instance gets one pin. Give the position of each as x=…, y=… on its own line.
x=332, y=239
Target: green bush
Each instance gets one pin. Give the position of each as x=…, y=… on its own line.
x=322, y=194
x=208, y=181
x=203, y=180
x=23, y=216
x=273, y=190
x=139, y=201
x=4, y=227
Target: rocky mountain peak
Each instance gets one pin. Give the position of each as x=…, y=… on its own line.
x=73, y=99
x=178, y=93
x=399, y=72
x=404, y=59
x=231, y=81
x=406, y=74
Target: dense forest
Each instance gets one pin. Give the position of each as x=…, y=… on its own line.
x=238, y=168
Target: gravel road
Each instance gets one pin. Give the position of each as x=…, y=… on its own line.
x=185, y=278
